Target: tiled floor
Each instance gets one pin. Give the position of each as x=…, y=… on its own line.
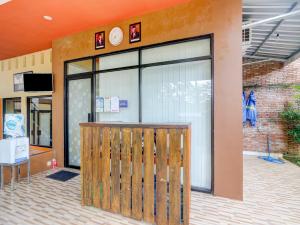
x=271, y=196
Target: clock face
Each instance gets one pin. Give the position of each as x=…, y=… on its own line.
x=116, y=36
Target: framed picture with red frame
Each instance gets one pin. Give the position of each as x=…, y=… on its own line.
x=100, y=40
x=135, y=32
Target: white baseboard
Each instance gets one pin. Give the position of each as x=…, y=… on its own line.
x=253, y=153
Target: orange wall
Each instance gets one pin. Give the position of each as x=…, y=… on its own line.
x=198, y=17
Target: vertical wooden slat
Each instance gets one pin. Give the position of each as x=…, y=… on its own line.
x=174, y=171
x=161, y=177
x=137, y=174
x=115, y=169
x=106, y=168
x=82, y=165
x=126, y=173
x=88, y=168
x=96, y=167
x=149, y=175
x=186, y=175
x=100, y=169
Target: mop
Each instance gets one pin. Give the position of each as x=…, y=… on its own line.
x=268, y=157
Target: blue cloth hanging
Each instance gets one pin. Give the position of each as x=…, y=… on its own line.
x=251, y=113
x=244, y=107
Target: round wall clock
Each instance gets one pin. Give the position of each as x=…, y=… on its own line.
x=116, y=36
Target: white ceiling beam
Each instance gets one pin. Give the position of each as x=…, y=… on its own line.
x=286, y=25
x=281, y=30
x=274, y=53
x=266, y=6
x=261, y=13
x=279, y=47
x=254, y=62
x=272, y=50
x=264, y=57
x=275, y=18
x=280, y=35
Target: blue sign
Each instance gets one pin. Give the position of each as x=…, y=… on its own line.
x=123, y=103
x=14, y=125
x=99, y=104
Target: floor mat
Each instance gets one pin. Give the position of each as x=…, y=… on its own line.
x=63, y=175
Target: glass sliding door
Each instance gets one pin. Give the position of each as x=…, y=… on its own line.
x=79, y=111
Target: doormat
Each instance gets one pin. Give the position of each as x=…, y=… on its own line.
x=62, y=175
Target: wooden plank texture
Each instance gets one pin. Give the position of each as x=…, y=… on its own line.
x=174, y=172
x=126, y=173
x=137, y=174
x=88, y=168
x=96, y=167
x=161, y=177
x=106, y=168
x=115, y=170
x=186, y=175
x=118, y=171
x=82, y=164
x=149, y=175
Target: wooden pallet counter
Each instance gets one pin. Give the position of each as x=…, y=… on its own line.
x=138, y=170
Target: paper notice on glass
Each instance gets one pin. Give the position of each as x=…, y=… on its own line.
x=99, y=104
x=107, y=104
x=114, y=104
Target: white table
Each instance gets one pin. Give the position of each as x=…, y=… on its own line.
x=13, y=172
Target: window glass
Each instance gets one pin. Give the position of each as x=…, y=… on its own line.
x=176, y=51
x=117, y=61
x=123, y=86
x=79, y=109
x=11, y=106
x=82, y=66
x=40, y=121
x=182, y=93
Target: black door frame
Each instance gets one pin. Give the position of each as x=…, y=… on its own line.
x=94, y=72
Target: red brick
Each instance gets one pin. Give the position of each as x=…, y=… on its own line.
x=272, y=83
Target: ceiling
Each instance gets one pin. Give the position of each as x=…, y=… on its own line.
x=279, y=39
x=24, y=30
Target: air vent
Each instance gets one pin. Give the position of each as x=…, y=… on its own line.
x=246, y=38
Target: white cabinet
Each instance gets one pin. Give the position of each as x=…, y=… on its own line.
x=14, y=150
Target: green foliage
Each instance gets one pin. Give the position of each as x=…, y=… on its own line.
x=295, y=133
x=292, y=158
x=297, y=95
x=291, y=117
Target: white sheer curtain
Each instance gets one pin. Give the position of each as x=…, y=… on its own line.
x=118, y=60
x=183, y=50
x=182, y=93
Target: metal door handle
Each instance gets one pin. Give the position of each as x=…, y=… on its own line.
x=89, y=117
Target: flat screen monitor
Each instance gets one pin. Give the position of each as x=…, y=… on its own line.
x=38, y=82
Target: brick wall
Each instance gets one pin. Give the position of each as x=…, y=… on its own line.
x=272, y=83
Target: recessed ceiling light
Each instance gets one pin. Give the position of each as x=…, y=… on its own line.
x=2, y=2
x=49, y=18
